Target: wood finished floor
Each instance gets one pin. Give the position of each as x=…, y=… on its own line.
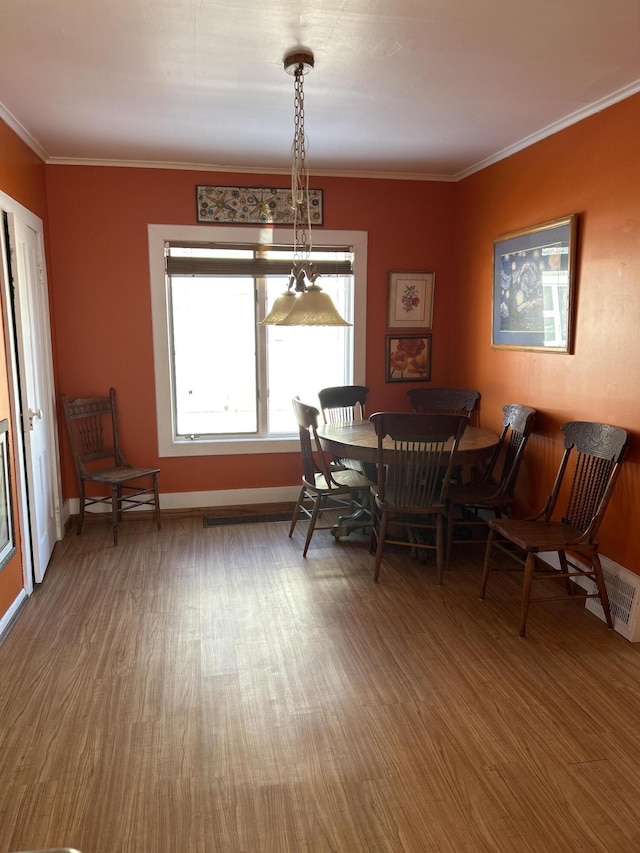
x=208, y=690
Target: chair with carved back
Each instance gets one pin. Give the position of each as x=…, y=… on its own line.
x=92, y=426
x=323, y=488
x=452, y=401
x=492, y=493
x=590, y=465
x=409, y=503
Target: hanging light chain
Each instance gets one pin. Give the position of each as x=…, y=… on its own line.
x=301, y=305
x=300, y=175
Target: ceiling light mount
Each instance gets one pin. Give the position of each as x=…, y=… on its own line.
x=299, y=62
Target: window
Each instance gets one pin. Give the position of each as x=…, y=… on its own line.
x=223, y=383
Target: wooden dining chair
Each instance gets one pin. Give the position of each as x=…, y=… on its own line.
x=491, y=495
x=589, y=468
x=324, y=488
x=92, y=426
x=343, y=403
x=413, y=481
x=450, y=401
x=453, y=401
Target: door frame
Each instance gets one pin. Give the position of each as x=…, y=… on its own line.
x=11, y=332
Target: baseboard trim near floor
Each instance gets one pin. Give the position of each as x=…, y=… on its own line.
x=9, y=618
x=194, y=503
x=232, y=513
x=249, y=517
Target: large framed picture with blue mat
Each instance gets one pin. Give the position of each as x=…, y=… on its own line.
x=534, y=273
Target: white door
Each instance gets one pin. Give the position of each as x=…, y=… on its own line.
x=36, y=390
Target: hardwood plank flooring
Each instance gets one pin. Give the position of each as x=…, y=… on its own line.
x=209, y=690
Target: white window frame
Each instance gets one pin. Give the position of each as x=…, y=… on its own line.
x=158, y=235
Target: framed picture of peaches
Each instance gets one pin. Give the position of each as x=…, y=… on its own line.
x=408, y=358
x=410, y=300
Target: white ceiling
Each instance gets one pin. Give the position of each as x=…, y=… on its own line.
x=416, y=88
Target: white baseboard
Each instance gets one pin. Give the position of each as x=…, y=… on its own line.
x=8, y=617
x=193, y=500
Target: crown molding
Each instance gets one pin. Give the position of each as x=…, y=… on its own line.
x=244, y=170
x=526, y=142
x=22, y=132
x=551, y=129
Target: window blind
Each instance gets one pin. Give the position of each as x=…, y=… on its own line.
x=257, y=265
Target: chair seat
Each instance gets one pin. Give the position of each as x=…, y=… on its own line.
x=391, y=502
x=120, y=475
x=476, y=494
x=346, y=478
x=536, y=536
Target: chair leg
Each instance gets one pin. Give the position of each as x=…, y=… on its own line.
x=115, y=511
x=373, y=539
x=381, y=537
x=526, y=590
x=81, y=508
x=157, y=499
x=486, y=567
x=564, y=568
x=602, y=589
x=373, y=534
x=450, y=519
x=296, y=512
x=439, y=546
x=312, y=523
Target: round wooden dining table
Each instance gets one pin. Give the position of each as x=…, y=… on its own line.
x=359, y=441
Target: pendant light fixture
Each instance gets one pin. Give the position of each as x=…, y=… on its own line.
x=303, y=303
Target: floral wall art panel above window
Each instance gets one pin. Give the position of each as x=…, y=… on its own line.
x=260, y=205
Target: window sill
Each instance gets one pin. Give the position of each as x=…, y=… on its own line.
x=229, y=446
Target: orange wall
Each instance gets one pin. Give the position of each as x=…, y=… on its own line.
x=99, y=259
x=101, y=310
x=592, y=169
x=21, y=173
x=22, y=178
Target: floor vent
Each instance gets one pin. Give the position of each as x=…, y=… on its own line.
x=623, y=589
x=247, y=518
